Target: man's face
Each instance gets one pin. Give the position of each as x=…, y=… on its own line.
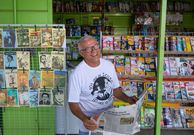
x=45, y=97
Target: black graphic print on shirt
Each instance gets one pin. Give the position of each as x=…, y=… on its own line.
x=101, y=89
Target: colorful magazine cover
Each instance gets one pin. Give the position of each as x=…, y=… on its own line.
x=58, y=60
x=33, y=98
x=120, y=64
x=117, y=43
x=2, y=79
x=177, y=91
x=23, y=98
x=76, y=30
x=1, y=60
x=134, y=66
x=150, y=43
x=1, y=40
x=124, y=42
x=149, y=117
x=46, y=40
x=192, y=42
x=141, y=66
x=150, y=66
x=22, y=36
x=9, y=38
x=12, y=97
x=176, y=118
x=166, y=67
x=58, y=97
x=11, y=78
x=139, y=43
x=182, y=66
x=191, y=65
x=22, y=77
x=34, y=79
x=183, y=91
x=35, y=37
x=45, y=60
x=168, y=87
x=60, y=78
x=173, y=66
x=187, y=44
x=190, y=90
x=127, y=66
x=167, y=117
x=107, y=42
x=58, y=36
x=45, y=97
x=47, y=78
x=3, y=98
x=10, y=60
x=23, y=60
x=130, y=41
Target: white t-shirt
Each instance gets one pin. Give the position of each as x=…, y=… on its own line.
x=92, y=87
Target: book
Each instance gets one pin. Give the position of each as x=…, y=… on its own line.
x=107, y=42
x=12, y=97
x=22, y=37
x=1, y=60
x=22, y=78
x=149, y=117
x=23, y=60
x=34, y=79
x=177, y=91
x=150, y=43
x=11, y=78
x=2, y=79
x=120, y=64
x=76, y=30
x=58, y=96
x=9, y=38
x=182, y=66
x=166, y=67
x=10, y=60
x=47, y=78
x=35, y=37
x=187, y=44
x=176, y=118
x=23, y=98
x=127, y=66
x=45, y=60
x=173, y=66
x=167, y=117
x=150, y=66
x=45, y=97
x=46, y=37
x=168, y=87
x=134, y=66
x=190, y=90
x=3, y=98
x=58, y=36
x=117, y=43
x=58, y=60
x=183, y=91
x=60, y=78
x=124, y=42
x=33, y=97
x=141, y=66
x=130, y=41
x=191, y=65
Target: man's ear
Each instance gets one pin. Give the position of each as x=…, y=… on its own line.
x=81, y=53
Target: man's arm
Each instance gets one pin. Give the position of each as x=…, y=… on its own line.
x=118, y=93
x=88, y=122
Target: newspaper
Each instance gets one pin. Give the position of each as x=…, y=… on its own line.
x=121, y=120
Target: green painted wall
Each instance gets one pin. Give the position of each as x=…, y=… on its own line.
x=26, y=12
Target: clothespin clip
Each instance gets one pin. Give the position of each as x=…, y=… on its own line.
x=23, y=70
x=35, y=27
x=44, y=88
x=57, y=88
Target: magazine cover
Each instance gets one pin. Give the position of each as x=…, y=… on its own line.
x=141, y=66
x=179, y=45
x=150, y=43
x=10, y=61
x=173, y=43
x=23, y=98
x=139, y=43
x=107, y=42
x=166, y=67
x=192, y=42
x=34, y=79
x=124, y=42
x=176, y=118
x=76, y=30
x=85, y=30
x=58, y=60
x=23, y=60
x=183, y=91
x=168, y=87
x=2, y=79
x=58, y=36
x=191, y=65
x=1, y=60
x=12, y=97
x=190, y=90
x=167, y=117
x=9, y=38
x=150, y=66
x=47, y=78
x=149, y=117
x=45, y=60
x=60, y=78
x=11, y=78
x=45, y=97
x=134, y=66
x=22, y=36
x=1, y=40
x=3, y=98
x=177, y=91
x=151, y=90
x=182, y=66
x=22, y=78
x=130, y=41
x=187, y=44
x=173, y=66
x=35, y=37
x=127, y=66
x=33, y=98
x=117, y=43
x=58, y=96
x=120, y=64
x=46, y=40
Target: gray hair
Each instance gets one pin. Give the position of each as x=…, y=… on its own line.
x=84, y=39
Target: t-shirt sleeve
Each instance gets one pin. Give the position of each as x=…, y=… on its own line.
x=74, y=88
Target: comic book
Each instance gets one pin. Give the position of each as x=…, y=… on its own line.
x=117, y=43
x=151, y=92
x=176, y=118
x=130, y=41
x=46, y=37
x=177, y=91
x=22, y=78
x=58, y=96
x=22, y=37
x=150, y=66
x=192, y=42
x=124, y=42
x=179, y=46
x=120, y=64
x=12, y=97
x=76, y=30
x=74, y=49
x=45, y=60
x=183, y=118
x=60, y=78
x=127, y=65
x=166, y=67
x=34, y=79
x=33, y=97
x=149, y=117
x=173, y=66
x=23, y=60
x=1, y=39
x=3, y=98
x=58, y=36
x=172, y=43
x=107, y=42
x=139, y=43
x=85, y=30
x=35, y=37
x=2, y=79
x=1, y=60
x=10, y=60
x=191, y=65
x=58, y=60
x=11, y=78
x=150, y=43
x=47, y=78
x=9, y=38
x=45, y=97
x=23, y=98
x=140, y=88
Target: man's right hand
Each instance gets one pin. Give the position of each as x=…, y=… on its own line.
x=90, y=124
